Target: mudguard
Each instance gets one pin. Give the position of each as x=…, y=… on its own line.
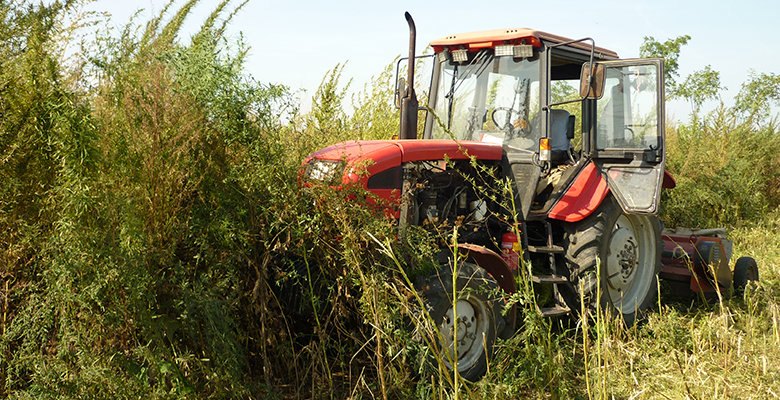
x=583, y=196
x=498, y=269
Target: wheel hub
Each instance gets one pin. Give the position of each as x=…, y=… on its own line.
x=460, y=333
x=623, y=258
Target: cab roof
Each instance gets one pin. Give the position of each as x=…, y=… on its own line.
x=477, y=40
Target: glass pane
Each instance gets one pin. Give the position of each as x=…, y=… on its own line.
x=492, y=99
x=567, y=90
x=636, y=186
x=628, y=113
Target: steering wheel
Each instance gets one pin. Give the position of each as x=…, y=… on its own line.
x=511, y=119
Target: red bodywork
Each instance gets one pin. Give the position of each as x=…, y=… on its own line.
x=370, y=157
x=364, y=159
x=385, y=154
x=583, y=197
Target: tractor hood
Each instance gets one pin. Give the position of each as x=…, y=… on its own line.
x=368, y=157
x=407, y=150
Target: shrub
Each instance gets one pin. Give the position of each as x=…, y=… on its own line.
x=726, y=171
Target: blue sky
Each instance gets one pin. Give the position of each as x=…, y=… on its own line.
x=296, y=42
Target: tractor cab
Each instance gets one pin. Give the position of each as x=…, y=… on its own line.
x=557, y=107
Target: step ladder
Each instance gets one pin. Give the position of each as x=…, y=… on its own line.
x=554, y=279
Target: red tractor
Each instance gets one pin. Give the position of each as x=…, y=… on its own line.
x=583, y=214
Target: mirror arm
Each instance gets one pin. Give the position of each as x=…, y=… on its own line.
x=592, y=50
x=547, y=107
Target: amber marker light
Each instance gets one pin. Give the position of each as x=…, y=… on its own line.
x=544, y=149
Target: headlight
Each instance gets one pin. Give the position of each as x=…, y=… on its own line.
x=327, y=171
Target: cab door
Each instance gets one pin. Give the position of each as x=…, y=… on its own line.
x=627, y=136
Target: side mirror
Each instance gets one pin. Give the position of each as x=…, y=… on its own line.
x=592, y=81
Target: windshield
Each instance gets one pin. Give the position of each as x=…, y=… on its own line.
x=490, y=99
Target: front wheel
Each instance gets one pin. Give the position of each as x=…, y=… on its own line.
x=465, y=309
x=745, y=270
x=627, y=251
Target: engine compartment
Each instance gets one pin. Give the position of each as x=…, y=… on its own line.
x=449, y=197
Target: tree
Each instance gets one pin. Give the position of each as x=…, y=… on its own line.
x=670, y=51
x=700, y=86
x=757, y=95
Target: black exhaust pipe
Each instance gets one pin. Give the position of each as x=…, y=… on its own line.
x=409, y=105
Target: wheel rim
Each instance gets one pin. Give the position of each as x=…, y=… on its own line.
x=471, y=326
x=630, y=262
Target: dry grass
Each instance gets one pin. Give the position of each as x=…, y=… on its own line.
x=696, y=350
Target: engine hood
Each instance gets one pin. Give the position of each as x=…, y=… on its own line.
x=365, y=158
x=400, y=151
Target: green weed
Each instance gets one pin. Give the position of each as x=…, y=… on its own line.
x=157, y=243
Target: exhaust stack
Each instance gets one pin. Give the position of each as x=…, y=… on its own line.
x=409, y=105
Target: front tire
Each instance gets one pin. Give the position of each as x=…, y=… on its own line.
x=628, y=248
x=469, y=322
x=745, y=270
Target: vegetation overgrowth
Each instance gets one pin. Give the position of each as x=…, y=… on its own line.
x=157, y=243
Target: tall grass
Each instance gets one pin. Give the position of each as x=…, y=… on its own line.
x=140, y=212
x=727, y=171
x=157, y=243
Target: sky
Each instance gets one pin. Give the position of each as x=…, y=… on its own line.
x=296, y=43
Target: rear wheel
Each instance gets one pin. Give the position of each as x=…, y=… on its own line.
x=469, y=322
x=628, y=248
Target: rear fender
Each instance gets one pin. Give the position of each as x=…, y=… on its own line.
x=669, y=182
x=583, y=196
x=491, y=262
x=586, y=194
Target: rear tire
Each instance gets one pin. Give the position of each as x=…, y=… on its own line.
x=629, y=249
x=478, y=320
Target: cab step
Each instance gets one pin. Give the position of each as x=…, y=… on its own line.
x=554, y=279
x=556, y=311
x=536, y=215
x=546, y=249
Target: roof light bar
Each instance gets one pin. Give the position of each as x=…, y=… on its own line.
x=444, y=56
x=504, y=50
x=523, y=51
x=460, y=55
x=516, y=51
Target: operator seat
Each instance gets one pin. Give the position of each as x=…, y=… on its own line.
x=561, y=130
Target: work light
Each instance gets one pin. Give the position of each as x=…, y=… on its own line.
x=460, y=55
